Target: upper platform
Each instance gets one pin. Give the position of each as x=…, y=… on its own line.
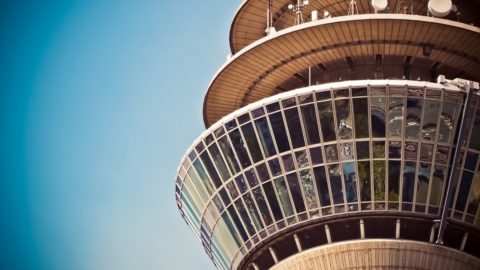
x=368, y=46
x=250, y=20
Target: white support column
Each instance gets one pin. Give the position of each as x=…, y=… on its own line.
x=432, y=233
x=274, y=255
x=397, y=230
x=327, y=232
x=362, y=229
x=297, y=241
x=464, y=241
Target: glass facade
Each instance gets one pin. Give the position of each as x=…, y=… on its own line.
x=307, y=154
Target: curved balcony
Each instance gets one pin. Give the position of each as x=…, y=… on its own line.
x=250, y=20
x=327, y=153
x=372, y=46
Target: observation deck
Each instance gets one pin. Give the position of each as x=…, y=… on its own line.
x=368, y=46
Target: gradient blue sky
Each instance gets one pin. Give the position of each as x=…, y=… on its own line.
x=99, y=102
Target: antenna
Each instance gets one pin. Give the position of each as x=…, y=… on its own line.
x=298, y=10
x=440, y=8
x=379, y=5
x=353, y=9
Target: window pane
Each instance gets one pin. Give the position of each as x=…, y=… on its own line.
x=378, y=149
x=262, y=172
x=378, y=116
x=422, y=182
x=326, y=121
x=395, y=117
x=276, y=120
x=232, y=190
x=211, y=169
x=474, y=198
x=350, y=181
x=344, y=119
x=363, y=150
x=463, y=189
x=437, y=185
x=252, y=142
x=316, y=155
x=408, y=181
x=282, y=191
x=364, y=178
x=393, y=180
x=229, y=155
x=360, y=107
x=447, y=121
x=336, y=183
x=265, y=136
x=301, y=158
x=237, y=223
x=217, y=158
x=253, y=211
x=203, y=177
x=262, y=206
x=430, y=117
x=294, y=127
x=322, y=185
x=251, y=178
x=379, y=180
x=296, y=193
x=310, y=123
x=240, y=148
x=308, y=189
x=331, y=153
x=275, y=167
x=246, y=219
x=475, y=141
x=272, y=200
x=414, y=113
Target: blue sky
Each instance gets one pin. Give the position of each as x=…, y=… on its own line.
x=99, y=100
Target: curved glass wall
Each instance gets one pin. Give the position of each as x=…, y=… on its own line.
x=326, y=150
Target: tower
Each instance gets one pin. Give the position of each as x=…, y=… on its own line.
x=351, y=140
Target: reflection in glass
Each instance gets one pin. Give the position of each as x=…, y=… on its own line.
x=275, y=167
x=408, y=181
x=229, y=155
x=276, y=120
x=272, y=200
x=429, y=127
x=475, y=141
x=364, y=178
x=336, y=183
x=414, y=114
x=308, y=189
x=294, y=127
x=316, y=155
x=262, y=172
x=231, y=228
x=252, y=142
x=474, y=198
x=322, y=185
x=378, y=149
x=378, y=116
x=251, y=178
x=240, y=148
x=253, y=211
x=395, y=117
x=422, y=182
x=302, y=158
x=393, y=180
x=463, y=189
x=395, y=149
x=310, y=123
x=287, y=162
x=232, y=190
x=262, y=206
x=437, y=185
x=211, y=169
x=411, y=150
x=331, y=153
x=447, y=121
x=282, y=192
x=379, y=180
x=442, y=154
x=217, y=158
x=350, y=181
x=238, y=224
x=199, y=185
x=347, y=151
x=363, y=150
x=344, y=119
x=241, y=183
x=326, y=121
x=360, y=108
x=426, y=152
x=265, y=137
x=246, y=219
x=296, y=193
